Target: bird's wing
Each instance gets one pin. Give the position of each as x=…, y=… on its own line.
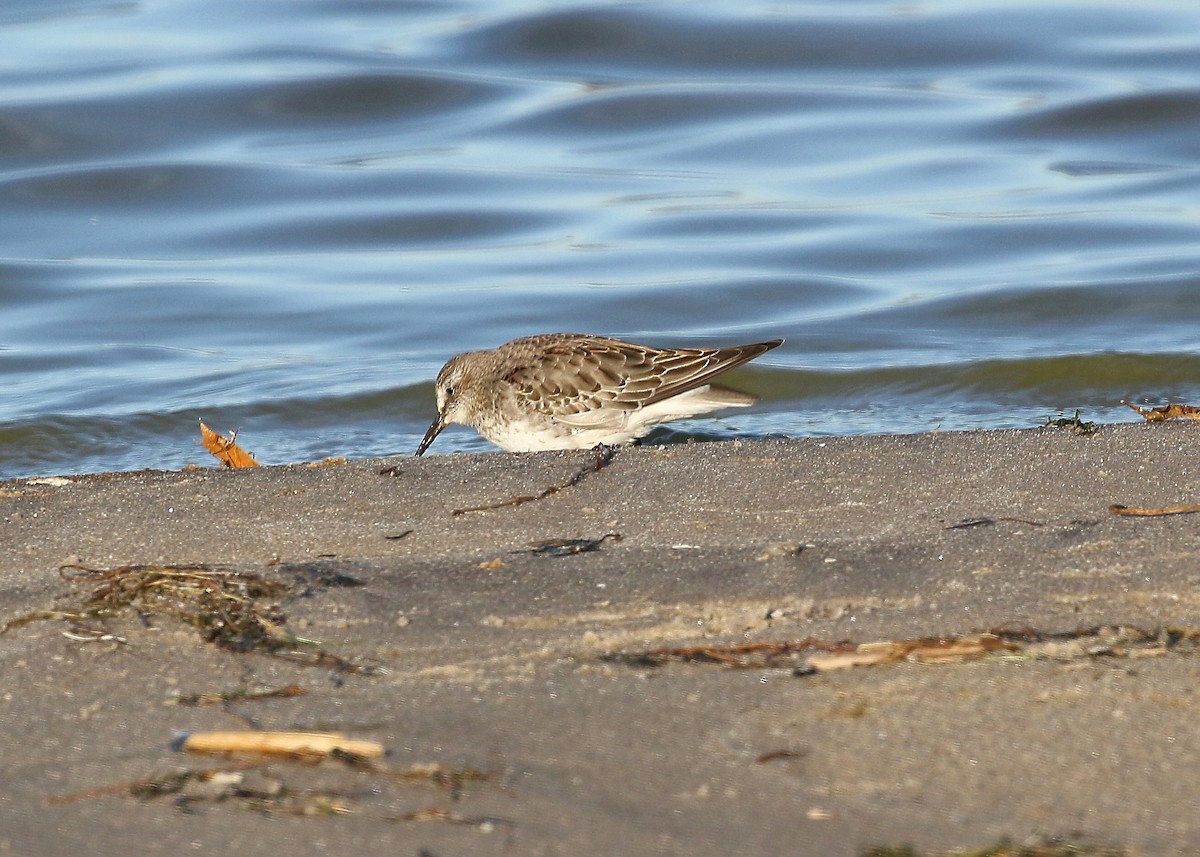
x=595, y=382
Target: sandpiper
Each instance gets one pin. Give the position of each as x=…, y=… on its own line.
x=576, y=391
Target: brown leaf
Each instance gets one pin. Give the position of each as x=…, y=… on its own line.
x=1166, y=412
x=225, y=449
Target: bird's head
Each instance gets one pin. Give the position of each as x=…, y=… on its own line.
x=449, y=401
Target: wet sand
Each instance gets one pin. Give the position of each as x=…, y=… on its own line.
x=495, y=654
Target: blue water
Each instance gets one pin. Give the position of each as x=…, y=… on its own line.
x=283, y=216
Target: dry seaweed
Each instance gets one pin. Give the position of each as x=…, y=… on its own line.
x=452, y=779
x=923, y=650
x=241, y=694
x=1041, y=847
x=1118, y=641
x=156, y=786
x=253, y=786
x=485, y=823
x=236, y=610
x=280, y=787
x=570, y=547
x=738, y=655
x=1075, y=423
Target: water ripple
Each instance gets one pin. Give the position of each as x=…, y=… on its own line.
x=286, y=216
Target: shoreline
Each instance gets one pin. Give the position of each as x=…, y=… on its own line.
x=496, y=630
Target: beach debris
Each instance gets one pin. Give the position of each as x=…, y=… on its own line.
x=779, y=756
x=780, y=550
x=1037, y=847
x=236, y=610
x=811, y=655
x=225, y=448
x=241, y=694
x=569, y=547
x=281, y=778
x=926, y=650
x=969, y=523
x=94, y=635
x=603, y=455
x=331, y=461
x=166, y=784
x=453, y=779
x=848, y=710
x=1150, y=512
x=319, y=575
x=295, y=744
x=1075, y=423
x=1165, y=412
x=251, y=784
x=485, y=823
x=737, y=655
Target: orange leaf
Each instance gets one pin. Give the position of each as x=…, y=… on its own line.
x=224, y=448
x=1166, y=412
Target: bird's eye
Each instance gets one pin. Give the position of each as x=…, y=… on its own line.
x=449, y=392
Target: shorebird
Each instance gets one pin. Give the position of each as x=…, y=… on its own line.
x=577, y=391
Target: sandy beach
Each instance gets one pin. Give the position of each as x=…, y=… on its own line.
x=505, y=658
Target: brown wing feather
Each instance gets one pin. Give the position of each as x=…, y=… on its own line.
x=602, y=372
x=687, y=368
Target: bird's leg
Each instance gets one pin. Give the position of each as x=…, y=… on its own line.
x=604, y=454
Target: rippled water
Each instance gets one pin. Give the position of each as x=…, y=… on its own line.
x=283, y=216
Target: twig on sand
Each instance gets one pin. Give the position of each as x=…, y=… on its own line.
x=603, y=453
